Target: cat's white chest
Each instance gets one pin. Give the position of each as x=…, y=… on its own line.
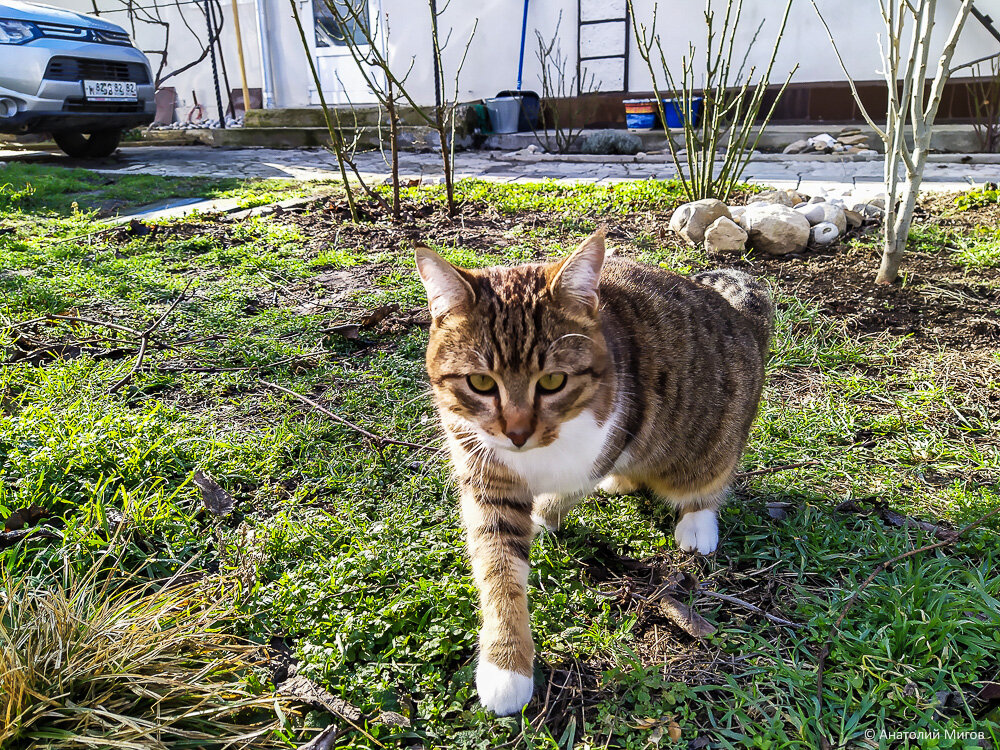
x=564, y=466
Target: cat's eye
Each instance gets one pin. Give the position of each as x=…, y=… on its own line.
x=551, y=382
x=482, y=383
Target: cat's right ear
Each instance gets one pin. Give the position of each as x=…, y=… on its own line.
x=446, y=287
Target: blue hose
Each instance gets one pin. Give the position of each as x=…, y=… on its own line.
x=524, y=31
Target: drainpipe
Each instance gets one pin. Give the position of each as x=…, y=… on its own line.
x=264, y=47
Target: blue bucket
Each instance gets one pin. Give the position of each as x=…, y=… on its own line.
x=672, y=112
x=640, y=121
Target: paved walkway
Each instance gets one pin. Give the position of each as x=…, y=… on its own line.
x=812, y=175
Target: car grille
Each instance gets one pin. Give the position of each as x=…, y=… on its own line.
x=83, y=68
x=82, y=105
x=100, y=36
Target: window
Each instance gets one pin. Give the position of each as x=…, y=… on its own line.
x=340, y=20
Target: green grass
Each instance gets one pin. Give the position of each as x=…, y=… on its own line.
x=45, y=190
x=356, y=554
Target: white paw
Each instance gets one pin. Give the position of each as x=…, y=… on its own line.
x=543, y=524
x=615, y=485
x=698, y=531
x=502, y=691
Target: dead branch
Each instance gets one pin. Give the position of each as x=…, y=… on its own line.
x=774, y=469
x=751, y=607
x=377, y=440
x=144, y=340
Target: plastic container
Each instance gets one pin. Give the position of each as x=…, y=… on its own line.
x=530, y=116
x=504, y=112
x=672, y=112
x=640, y=114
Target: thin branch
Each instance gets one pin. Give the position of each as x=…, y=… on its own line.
x=377, y=440
x=850, y=80
x=144, y=340
x=751, y=607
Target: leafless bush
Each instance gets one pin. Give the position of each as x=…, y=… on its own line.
x=559, y=134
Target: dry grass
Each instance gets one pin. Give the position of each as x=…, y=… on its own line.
x=121, y=665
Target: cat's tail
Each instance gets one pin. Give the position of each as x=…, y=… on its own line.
x=748, y=295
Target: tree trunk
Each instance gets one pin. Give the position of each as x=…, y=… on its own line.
x=898, y=220
x=449, y=185
x=390, y=107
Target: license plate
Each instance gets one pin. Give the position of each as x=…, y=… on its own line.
x=109, y=91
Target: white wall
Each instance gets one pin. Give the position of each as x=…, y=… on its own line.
x=491, y=65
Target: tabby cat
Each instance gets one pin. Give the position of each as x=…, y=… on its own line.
x=553, y=379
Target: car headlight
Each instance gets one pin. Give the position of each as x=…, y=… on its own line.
x=17, y=32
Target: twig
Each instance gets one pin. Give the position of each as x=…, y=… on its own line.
x=774, y=469
x=144, y=340
x=835, y=628
x=752, y=607
x=378, y=440
x=74, y=319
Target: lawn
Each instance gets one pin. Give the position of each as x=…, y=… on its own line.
x=878, y=433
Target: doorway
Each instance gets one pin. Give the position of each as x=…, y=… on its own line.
x=342, y=80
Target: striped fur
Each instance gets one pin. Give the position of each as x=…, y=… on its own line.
x=663, y=378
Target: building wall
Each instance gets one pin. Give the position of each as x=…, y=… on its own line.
x=491, y=64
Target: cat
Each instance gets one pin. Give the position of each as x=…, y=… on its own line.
x=553, y=379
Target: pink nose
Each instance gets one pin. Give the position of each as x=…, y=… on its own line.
x=519, y=437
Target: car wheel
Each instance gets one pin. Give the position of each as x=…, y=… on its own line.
x=97, y=144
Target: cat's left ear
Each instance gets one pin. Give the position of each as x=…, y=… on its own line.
x=577, y=277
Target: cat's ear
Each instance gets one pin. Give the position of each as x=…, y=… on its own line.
x=446, y=287
x=577, y=277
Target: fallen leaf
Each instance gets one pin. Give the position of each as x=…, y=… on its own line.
x=899, y=520
x=325, y=740
x=350, y=331
x=686, y=618
x=777, y=510
x=25, y=517
x=303, y=689
x=216, y=500
x=391, y=719
x=990, y=692
x=674, y=731
x=377, y=315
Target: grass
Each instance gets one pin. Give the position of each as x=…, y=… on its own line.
x=43, y=190
x=355, y=555
x=107, y=664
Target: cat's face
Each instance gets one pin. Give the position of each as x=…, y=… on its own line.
x=515, y=352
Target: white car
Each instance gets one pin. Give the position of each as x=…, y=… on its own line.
x=75, y=76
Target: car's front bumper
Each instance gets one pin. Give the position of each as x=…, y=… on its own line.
x=45, y=104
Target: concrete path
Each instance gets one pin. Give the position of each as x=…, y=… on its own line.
x=812, y=175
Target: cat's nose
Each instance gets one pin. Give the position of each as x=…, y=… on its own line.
x=519, y=436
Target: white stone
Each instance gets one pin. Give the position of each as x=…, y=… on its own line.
x=854, y=219
x=690, y=220
x=828, y=211
x=825, y=233
x=823, y=139
x=779, y=197
x=736, y=213
x=725, y=236
x=871, y=209
x=776, y=229
x=796, y=147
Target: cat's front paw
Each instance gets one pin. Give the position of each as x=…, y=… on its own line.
x=698, y=531
x=502, y=691
x=544, y=524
